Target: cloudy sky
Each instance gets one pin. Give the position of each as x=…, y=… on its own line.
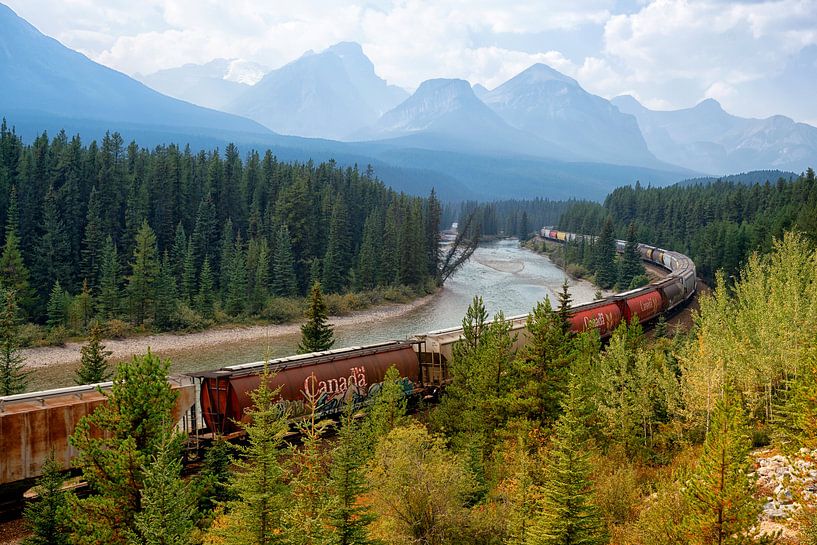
x=756, y=57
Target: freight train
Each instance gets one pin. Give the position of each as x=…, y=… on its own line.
x=215, y=402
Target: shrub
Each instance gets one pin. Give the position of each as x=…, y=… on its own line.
x=576, y=270
x=187, y=319
x=282, y=309
x=638, y=281
x=57, y=335
x=32, y=335
x=117, y=329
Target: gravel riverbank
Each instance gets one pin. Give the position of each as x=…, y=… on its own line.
x=166, y=344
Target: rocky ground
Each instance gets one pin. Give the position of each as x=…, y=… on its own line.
x=785, y=484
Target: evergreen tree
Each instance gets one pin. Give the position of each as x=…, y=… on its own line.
x=432, y=232
x=387, y=409
x=13, y=272
x=631, y=265
x=284, y=282
x=227, y=251
x=348, y=516
x=166, y=298
x=93, y=363
x=85, y=305
x=316, y=334
x=213, y=481
x=115, y=443
x=168, y=510
x=13, y=376
x=335, y=262
x=565, y=300
x=58, y=304
x=53, y=253
x=256, y=515
x=47, y=517
x=236, y=290
x=568, y=514
x=605, y=260
x=108, y=302
x=544, y=363
x=144, y=275
x=188, y=277
x=261, y=277
x=205, y=298
x=720, y=490
x=92, y=242
x=369, y=256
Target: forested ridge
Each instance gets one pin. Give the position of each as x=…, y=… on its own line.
x=718, y=225
x=173, y=238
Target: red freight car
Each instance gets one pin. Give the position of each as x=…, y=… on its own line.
x=646, y=305
x=335, y=376
x=603, y=316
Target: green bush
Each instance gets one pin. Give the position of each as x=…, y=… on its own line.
x=117, y=329
x=282, y=309
x=638, y=281
x=32, y=335
x=577, y=271
x=188, y=319
x=57, y=335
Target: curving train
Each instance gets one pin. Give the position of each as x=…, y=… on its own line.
x=215, y=402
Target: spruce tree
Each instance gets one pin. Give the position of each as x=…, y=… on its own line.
x=14, y=274
x=316, y=333
x=109, y=300
x=284, y=282
x=235, y=292
x=52, y=259
x=261, y=277
x=58, y=304
x=568, y=514
x=166, y=295
x=349, y=517
x=205, y=298
x=335, y=261
x=144, y=275
x=369, y=256
x=178, y=253
x=85, y=305
x=48, y=517
x=720, y=491
x=188, y=290
x=13, y=376
x=388, y=408
x=226, y=253
x=565, y=300
x=115, y=443
x=92, y=242
x=605, y=258
x=256, y=516
x=168, y=511
x=631, y=265
x=93, y=363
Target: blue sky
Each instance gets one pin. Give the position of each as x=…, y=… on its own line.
x=758, y=58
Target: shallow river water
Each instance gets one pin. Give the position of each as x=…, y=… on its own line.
x=508, y=278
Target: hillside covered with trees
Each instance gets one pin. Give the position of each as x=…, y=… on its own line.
x=567, y=440
x=717, y=224
x=170, y=238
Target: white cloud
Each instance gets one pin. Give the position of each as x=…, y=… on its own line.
x=671, y=53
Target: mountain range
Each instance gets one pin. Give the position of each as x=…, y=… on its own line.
x=538, y=134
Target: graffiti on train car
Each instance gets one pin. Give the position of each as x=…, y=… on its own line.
x=331, y=396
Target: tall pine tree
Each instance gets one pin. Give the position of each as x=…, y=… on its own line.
x=316, y=333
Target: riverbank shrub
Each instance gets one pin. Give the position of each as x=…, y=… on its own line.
x=279, y=310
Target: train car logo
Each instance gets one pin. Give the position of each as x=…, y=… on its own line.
x=599, y=322
x=356, y=379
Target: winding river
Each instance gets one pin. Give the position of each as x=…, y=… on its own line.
x=509, y=278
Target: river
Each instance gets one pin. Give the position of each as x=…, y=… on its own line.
x=509, y=278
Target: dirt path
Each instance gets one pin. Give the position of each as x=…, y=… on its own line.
x=171, y=342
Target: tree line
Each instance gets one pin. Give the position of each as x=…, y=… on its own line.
x=170, y=238
x=516, y=218
x=718, y=225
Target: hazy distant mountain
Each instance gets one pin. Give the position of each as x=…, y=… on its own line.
x=555, y=108
x=480, y=90
x=745, y=178
x=327, y=95
x=708, y=139
x=42, y=78
x=446, y=114
x=213, y=85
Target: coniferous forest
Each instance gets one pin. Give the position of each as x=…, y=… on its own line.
x=171, y=239
x=718, y=225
